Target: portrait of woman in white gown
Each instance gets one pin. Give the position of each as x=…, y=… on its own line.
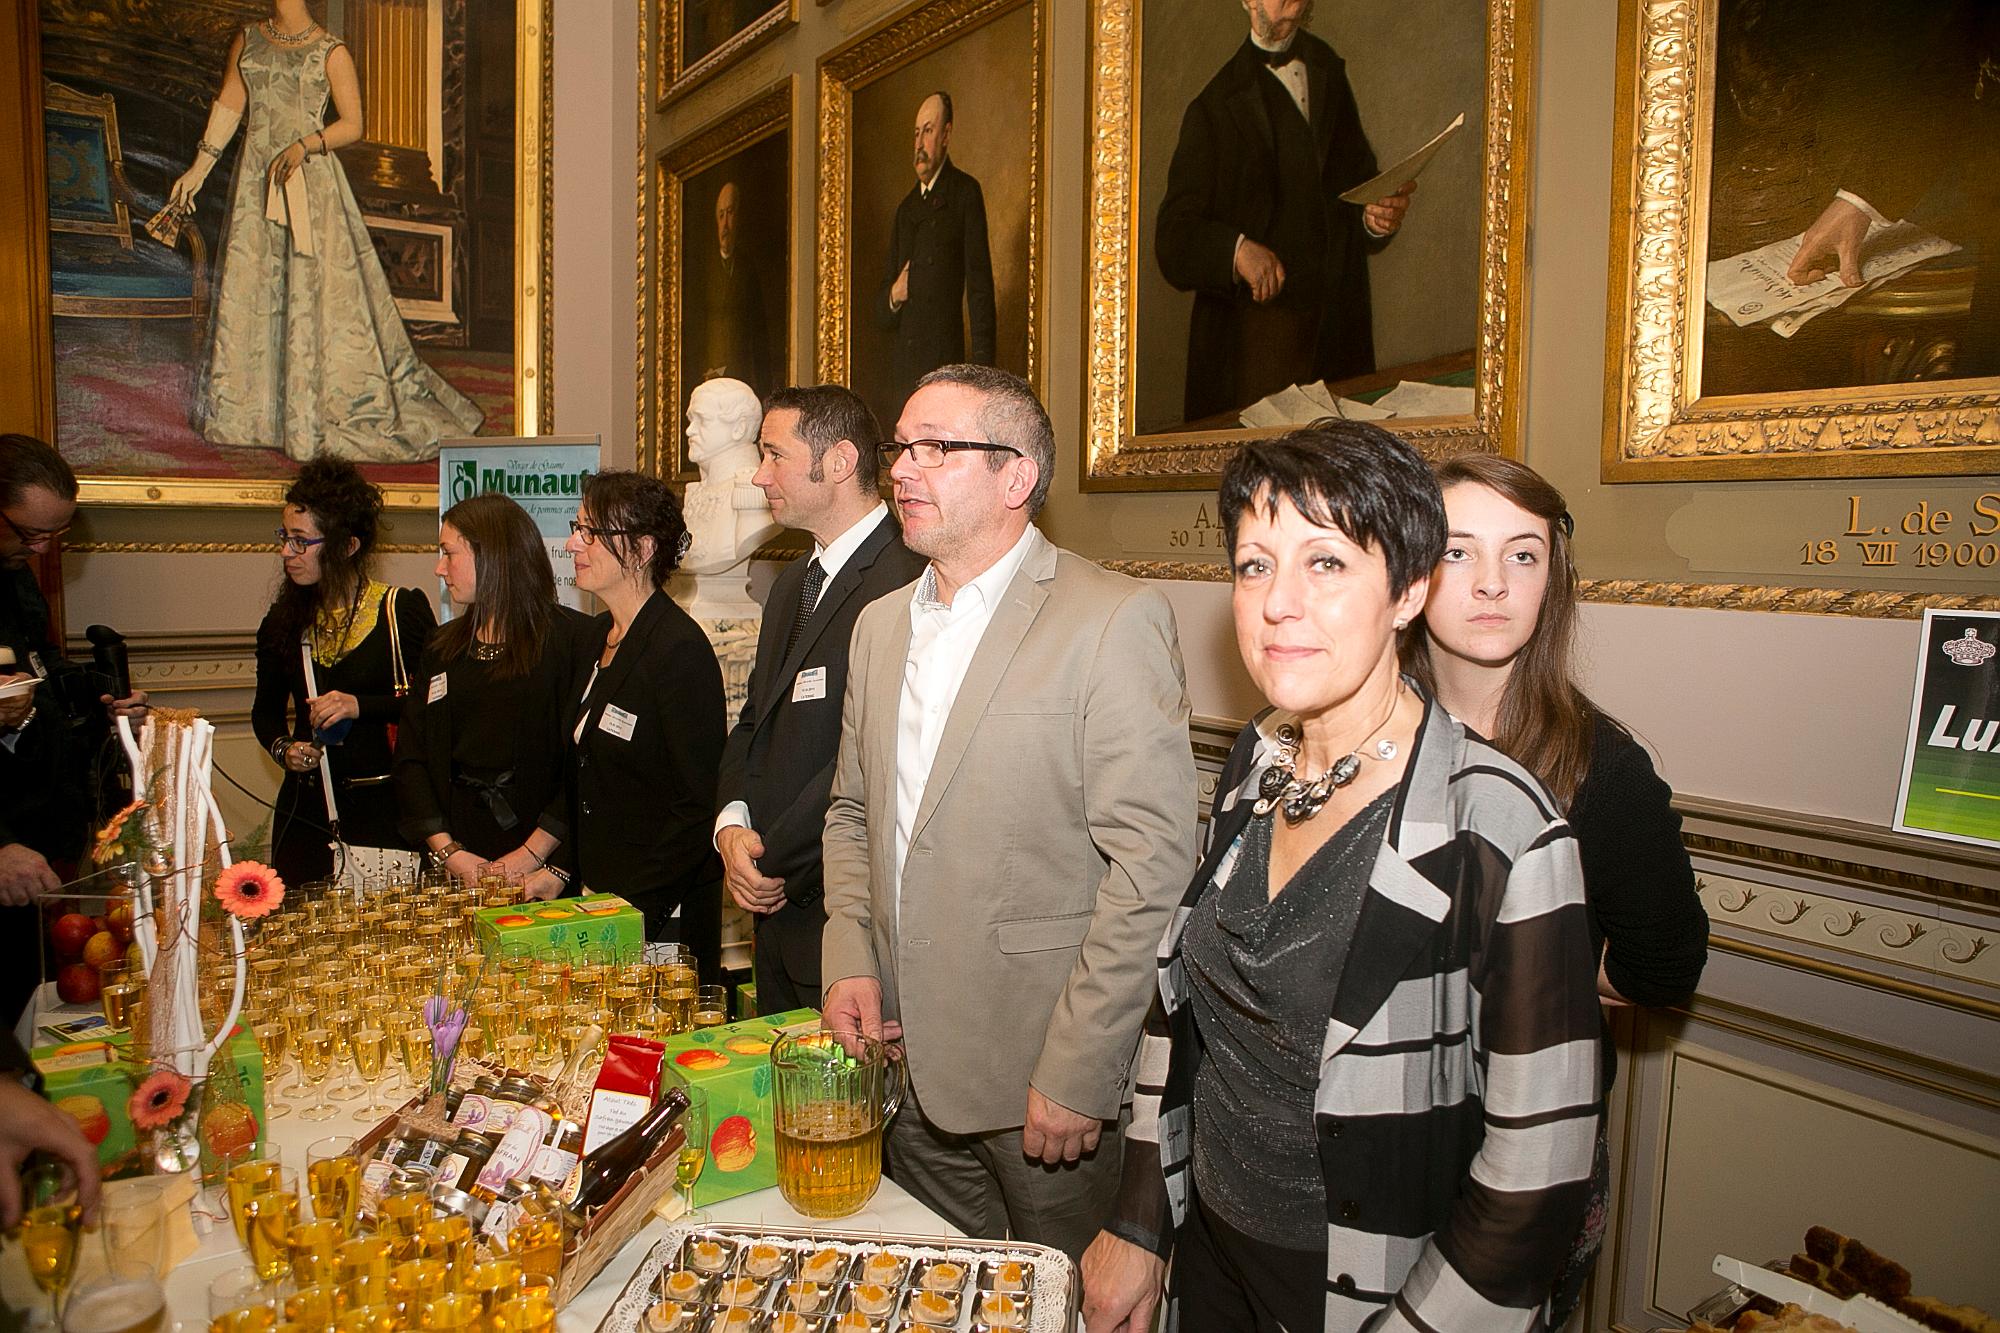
x=307, y=351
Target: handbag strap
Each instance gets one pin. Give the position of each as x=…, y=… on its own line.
x=399, y=671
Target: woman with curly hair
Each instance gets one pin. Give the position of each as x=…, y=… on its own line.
x=648, y=734
x=365, y=640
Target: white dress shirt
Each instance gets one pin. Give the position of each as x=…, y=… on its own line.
x=832, y=559
x=943, y=640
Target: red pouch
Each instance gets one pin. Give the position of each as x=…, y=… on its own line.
x=628, y=1084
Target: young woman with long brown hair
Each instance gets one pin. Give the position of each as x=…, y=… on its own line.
x=1494, y=646
x=483, y=757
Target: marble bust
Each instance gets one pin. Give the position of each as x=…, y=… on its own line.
x=727, y=515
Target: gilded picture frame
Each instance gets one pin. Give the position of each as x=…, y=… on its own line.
x=682, y=69
x=1117, y=455
x=533, y=318
x=877, y=55
x=766, y=116
x=1659, y=425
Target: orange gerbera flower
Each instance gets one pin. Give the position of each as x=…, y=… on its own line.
x=159, y=1101
x=249, y=889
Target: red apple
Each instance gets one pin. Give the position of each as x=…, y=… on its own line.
x=77, y=983
x=103, y=949
x=71, y=932
x=89, y=1114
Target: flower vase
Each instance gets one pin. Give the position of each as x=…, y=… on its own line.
x=176, y=1145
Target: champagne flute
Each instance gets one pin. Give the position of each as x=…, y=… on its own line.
x=49, y=1225
x=711, y=1006
x=245, y=1180
x=693, y=1154
x=123, y=985
x=269, y=1219
x=315, y=1053
x=274, y=1039
x=413, y=1044
x=333, y=1178
x=342, y=1023
x=370, y=1045
x=238, y=1303
x=312, y=1246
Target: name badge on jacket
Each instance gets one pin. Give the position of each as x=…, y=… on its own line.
x=439, y=683
x=810, y=684
x=618, y=722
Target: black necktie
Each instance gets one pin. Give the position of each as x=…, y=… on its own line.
x=808, y=599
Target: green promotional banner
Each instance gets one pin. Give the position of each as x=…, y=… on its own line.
x=543, y=474
x=1951, y=765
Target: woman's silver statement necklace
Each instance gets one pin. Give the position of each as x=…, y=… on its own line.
x=1301, y=799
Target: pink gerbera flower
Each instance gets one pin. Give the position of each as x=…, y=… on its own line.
x=249, y=889
x=159, y=1101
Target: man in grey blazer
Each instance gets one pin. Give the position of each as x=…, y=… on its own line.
x=1012, y=819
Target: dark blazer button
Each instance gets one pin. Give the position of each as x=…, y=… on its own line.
x=1344, y=1284
x=1349, y=1211
x=586, y=807
x=1331, y=1128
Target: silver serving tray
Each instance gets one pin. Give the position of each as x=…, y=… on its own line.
x=1055, y=1292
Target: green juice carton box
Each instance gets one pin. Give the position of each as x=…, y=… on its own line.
x=96, y=1082
x=566, y=923
x=732, y=1064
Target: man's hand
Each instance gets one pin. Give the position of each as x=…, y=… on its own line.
x=899, y=294
x=854, y=1004
x=1261, y=270
x=133, y=705
x=1054, y=1134
x=329, y=708
x=23, y=875
x=28, y=1123
x=1384, y=217
x=1837, y=235
x=1121, y=1286
x=753, y=890
x=14, y=709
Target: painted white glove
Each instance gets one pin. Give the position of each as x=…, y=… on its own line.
x=222, y=123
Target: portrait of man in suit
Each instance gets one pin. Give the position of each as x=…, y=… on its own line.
x=819, y=457
x=731, y=310
x=936, y=292
x=1252, y=223
x=1012, y=819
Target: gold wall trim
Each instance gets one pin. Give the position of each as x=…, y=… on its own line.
x=861, y=62
x=1868, y=603
x=765, y=114
x=1114, y=458
x=676, y=80
x=216, y=548
x=1656, y=427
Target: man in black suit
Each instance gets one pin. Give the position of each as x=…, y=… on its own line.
x=729, y=303
x=1253, y=225
x=820, y=457
x=939, y=276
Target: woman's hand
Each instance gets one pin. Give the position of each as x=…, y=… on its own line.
x=301, y=757
x=542, y=886
x=1121, y=1286
x=518, y=864
x=465, y=867
x=287, y=162
x=329, y=708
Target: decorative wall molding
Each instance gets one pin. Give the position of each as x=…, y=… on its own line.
x=1869, y=603
x=214, y=548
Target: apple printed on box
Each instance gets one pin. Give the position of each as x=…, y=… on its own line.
x=732, y=1064
x=569, y=924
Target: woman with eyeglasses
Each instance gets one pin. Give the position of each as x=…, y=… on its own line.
x=365, y=641
x=648, y=733
x=1494, y=644
x=482, y=755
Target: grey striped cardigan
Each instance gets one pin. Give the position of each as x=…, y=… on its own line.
x=1459, y=1091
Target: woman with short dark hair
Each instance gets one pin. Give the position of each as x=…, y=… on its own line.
x=366, y=640
x=648, y=734
x=482, y=758
x=1368, y=1089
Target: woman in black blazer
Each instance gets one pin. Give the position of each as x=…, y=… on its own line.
x=648, y=734
x=482, y=759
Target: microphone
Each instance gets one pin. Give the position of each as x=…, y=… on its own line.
x=107, y=652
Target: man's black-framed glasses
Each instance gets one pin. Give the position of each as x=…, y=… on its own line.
x=296, y=545
x=932, y=453
x=592, y=534
x=29, y=536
